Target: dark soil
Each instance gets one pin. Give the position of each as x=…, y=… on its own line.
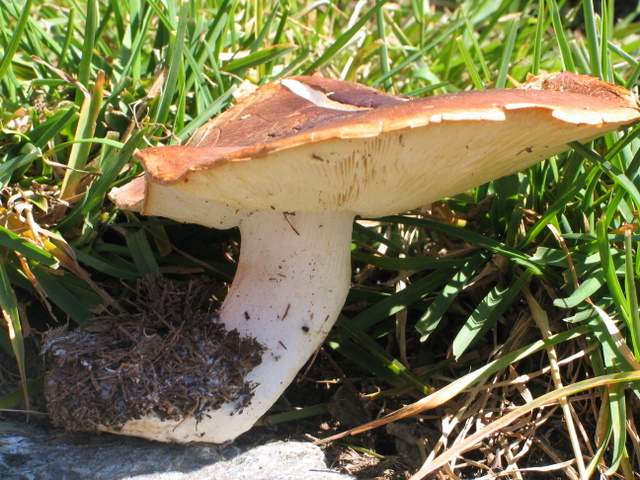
x=166, y=357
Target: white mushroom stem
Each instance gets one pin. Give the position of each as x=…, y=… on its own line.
x=292, y=280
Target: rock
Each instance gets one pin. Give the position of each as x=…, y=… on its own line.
x=32, y=453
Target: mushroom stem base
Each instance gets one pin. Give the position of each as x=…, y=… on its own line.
x=291, y=283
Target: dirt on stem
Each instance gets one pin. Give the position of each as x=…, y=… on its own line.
x=167, y=357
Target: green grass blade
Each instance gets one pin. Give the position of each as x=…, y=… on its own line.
x=75, y=298
x=609, y=268
x=486, y=314
x=401, y=300
x=617, y=405
x=475, y=239
x=19, y=244
x=47, y=131
x=466, y=56
x=430, y=320
x=257, y=58
x=17, y=163
x=141, y=252
x=632, y=292
x=11, y=314
x=407, y=263
x=343, y=39
x=16, y=38
x=586, y=289
x=89, y=38
x=563, y=43
x=592, y=37
x=505, y=62
x=174, y=63
x=614, y=173
x=537, y=42
x=378, y=355
x=13, y=399
x=98, y=190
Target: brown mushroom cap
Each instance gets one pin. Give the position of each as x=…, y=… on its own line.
x=312, y=144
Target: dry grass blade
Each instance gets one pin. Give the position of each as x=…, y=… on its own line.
x=79, y=155
x=541, y=319
x=618, y=338
x=500, y=423
x=63, y=75
x=448, y=392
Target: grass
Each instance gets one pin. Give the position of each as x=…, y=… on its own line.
x=519, y=313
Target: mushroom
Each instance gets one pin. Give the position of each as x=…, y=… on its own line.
x=294, y=162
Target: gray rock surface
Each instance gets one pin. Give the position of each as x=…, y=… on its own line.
x=32, y=453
